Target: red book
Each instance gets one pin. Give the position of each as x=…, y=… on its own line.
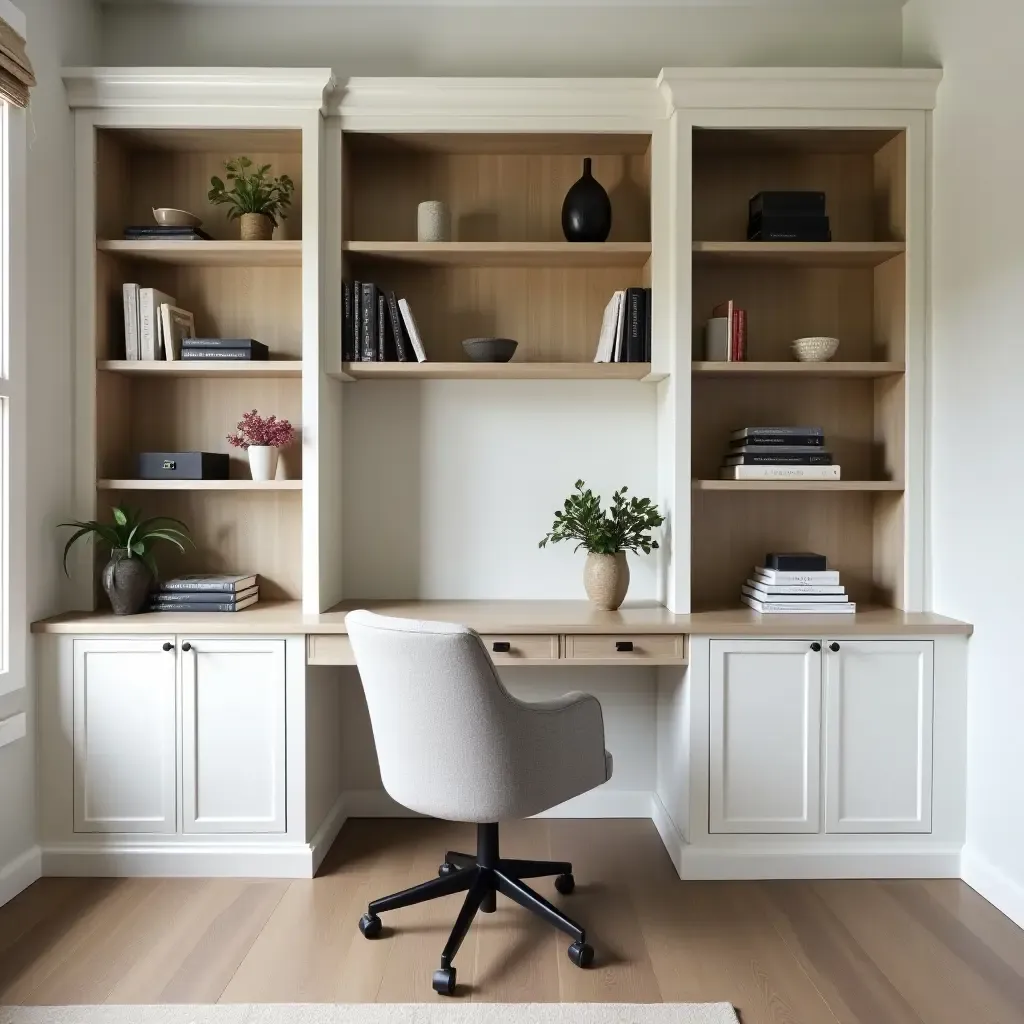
x=740, y=317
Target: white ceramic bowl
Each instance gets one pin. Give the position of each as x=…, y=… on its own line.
x=814, y=350
x=167, y=217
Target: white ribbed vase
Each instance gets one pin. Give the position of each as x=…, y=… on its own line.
x=606, y=580
x=433, y=222
x=263, y=461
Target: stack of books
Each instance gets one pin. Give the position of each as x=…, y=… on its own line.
x=377, y=326
x=778, y=453
x=626, y=328
x=155, y=233
x=725, y=334
x=796, y=583
x=153, y=325
x=216, y=593
x=223, y=348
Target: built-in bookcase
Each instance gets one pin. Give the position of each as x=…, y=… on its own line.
x=234, y=288
x=852, y=288
x=508, y=270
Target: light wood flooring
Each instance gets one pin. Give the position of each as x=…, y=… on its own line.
x=857, y=952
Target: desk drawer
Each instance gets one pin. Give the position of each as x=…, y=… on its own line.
x=329, y=649
x=521, y=648
x=627, y=649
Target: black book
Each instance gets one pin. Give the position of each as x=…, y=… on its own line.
x=801, y=561
x=403, y=350
x=203, y=596
x=635, y=329
x=648, y=323
x=202, y=606
x=368, y=324
x=382, y=328
x=347, y=334
x=793, y=203
x=222, y=354
x=357, y=320
x=770, y=440
x=787, y=228
x=249, y=344
x=226, y=583
x=779, y=459
x=157, y=234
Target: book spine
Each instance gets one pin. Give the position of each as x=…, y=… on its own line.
x=368, y=325
x=799, y=608
x=221, y=353
x=248, y=344
x=783, y=589
x=818, y=577
x=741, y=335
x=648, y=323
x=357, y=320
x=194, y=606
x=776, y=459
x=346, y=321
x=402, y=348
x=756, y=433
x=212, y=586
x=635, y=336
x=785, y=598
x=769, y=441
x=133, y=321
x=781, y=473
x=382, y=328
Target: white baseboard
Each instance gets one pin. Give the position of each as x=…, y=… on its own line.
x=19, y=874
x=1003, y=892
x=672, y=838
x=328, y=831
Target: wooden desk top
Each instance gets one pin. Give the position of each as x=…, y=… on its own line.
x=286, y=617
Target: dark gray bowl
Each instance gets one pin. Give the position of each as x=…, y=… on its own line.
x=490, y=350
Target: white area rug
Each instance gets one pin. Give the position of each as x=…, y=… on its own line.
x=441, y=1012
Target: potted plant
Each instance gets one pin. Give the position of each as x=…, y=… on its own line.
x=255, y=198
x=130, y=571
x=263, y=438
x=607, y=536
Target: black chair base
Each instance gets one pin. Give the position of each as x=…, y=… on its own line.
x=481, y=877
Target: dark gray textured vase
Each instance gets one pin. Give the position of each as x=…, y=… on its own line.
x=586, y=210
x=127, y=582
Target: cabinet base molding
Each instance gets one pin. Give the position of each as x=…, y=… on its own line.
x=323, y=838
x=1004, y=893
x=19, y=873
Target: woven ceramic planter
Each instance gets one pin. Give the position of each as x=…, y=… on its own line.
x=257, y=227
x=606, y=579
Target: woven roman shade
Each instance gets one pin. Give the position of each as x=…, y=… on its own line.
x=16, y=77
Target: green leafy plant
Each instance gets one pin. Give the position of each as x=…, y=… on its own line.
x=252, y=190
x=133, y=536
x=625, y=526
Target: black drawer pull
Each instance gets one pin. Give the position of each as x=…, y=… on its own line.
x=624, y=646
x=186, y=646
x=815, y=646
x=501, y=647
x=833, y=647
x=167, y=646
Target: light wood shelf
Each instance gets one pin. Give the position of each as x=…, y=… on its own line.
x=497, y=371
x=507, y=254
x=799, y=485
x=207, y=254
x=270, y=368
x=198, y=485
x=799, y=254
x=862, y=370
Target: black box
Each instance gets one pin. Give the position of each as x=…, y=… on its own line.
x=801, y=561
x=783, y=204
x=788, y=228
x=183, y=466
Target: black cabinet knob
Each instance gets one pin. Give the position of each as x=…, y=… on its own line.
x=815, y=646
x=624, y=646
x=168, y=646
x=501, y=647
x=833, y=647
x=186, y=646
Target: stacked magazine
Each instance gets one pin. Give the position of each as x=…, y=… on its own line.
x=778, y=453
x=216, y=593
x=803, y=584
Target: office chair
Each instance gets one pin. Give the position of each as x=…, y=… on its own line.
x=455, y=744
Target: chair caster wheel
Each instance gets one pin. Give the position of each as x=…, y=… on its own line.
x=369, y=925
x=581, y=954
x=565, y=884
x=446, y=869
x=444, y=981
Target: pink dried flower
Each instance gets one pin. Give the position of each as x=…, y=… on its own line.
x=253, y=429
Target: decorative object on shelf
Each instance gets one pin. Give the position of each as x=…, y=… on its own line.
x=154, y=233
x=788, y=217
x=490, y=350
x=183, y=466
x=177, y=326
x=586, y=209
x=263, y=438
x=795, y=583
x=131, y=569
x=254, y=198
x=220, y=349
x=607, y=536
x=168, y=217
x=433, y=222
x=778, y=453
x=626, y=328
x=725, y=334
x=814, y=350
x=222, y=592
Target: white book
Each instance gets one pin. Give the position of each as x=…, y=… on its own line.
x=130, y=295
x=774, y=608
x=716, y=340
x=790, y=589
x=821, y=577
x=175, y=324
x=150, y=300
x=779, y=473
x=609, y=328
x=784, y=598
x=414, y=332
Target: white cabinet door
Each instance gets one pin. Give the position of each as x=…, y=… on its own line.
x=124, y=749
x=765, y=736
x=878, y=736
x=233, y=735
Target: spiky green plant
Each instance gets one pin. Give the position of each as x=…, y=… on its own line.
x=625, y=526
x=252, y=190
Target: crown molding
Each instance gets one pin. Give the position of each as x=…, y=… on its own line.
x=489, y=104
x=263, y=88
x=801, y=88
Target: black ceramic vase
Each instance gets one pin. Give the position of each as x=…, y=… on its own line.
x=127, y=582
x=586, y=210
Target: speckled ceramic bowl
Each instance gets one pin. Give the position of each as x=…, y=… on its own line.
x=815, y=350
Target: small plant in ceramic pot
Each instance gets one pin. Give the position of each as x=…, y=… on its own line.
x=254, y=198
x=263, y=438
x=607, y=536
x=129, y=573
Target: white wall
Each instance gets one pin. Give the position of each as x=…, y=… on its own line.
x=519, y=41
x=58, y=32
x=977, y=497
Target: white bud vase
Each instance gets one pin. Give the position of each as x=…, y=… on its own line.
x=263, y=461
